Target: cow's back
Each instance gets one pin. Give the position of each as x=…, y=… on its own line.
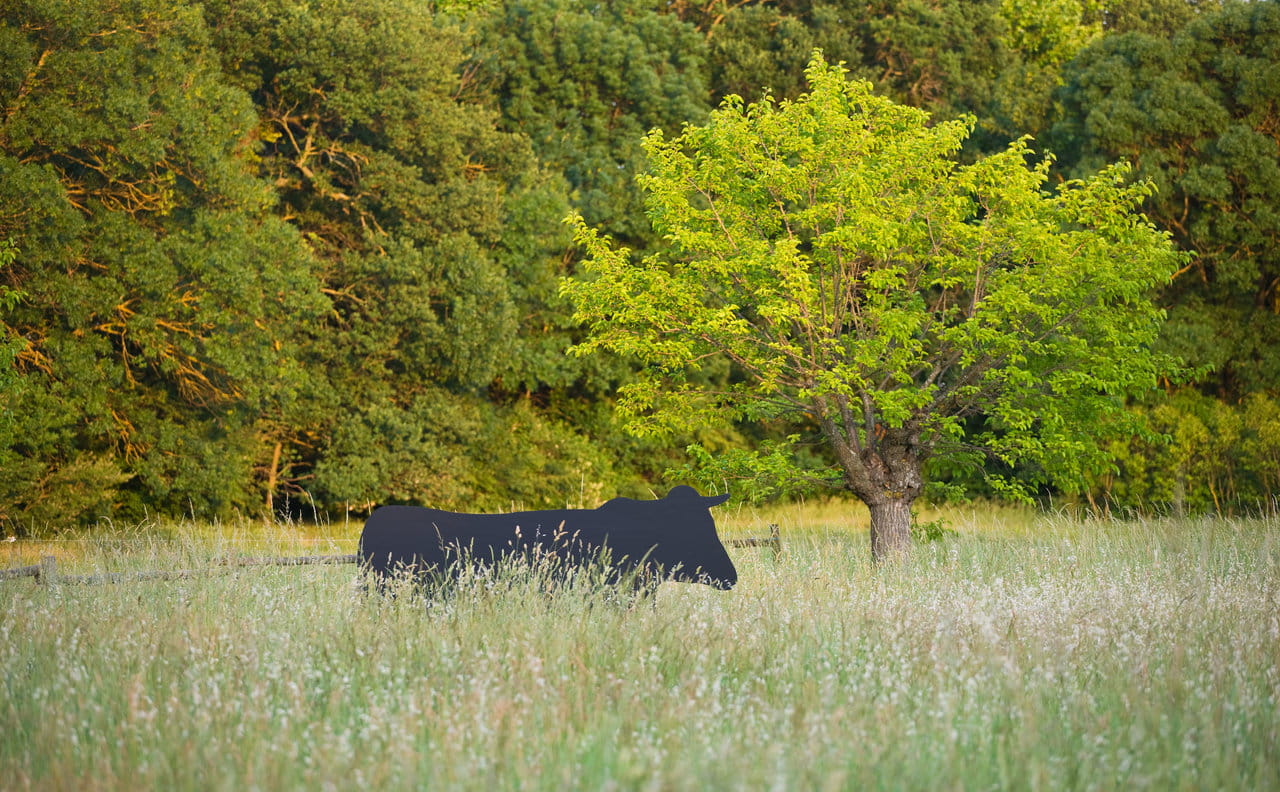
x=672, y=538
x=431, y=540
x=401, y=536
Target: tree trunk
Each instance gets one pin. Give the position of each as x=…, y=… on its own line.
x=273, y=479
x=890, y=529
x=882, y=466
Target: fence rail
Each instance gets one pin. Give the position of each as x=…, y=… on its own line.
x=250, y=561
x=773, y=541
x=46, y=572
x=25, y=571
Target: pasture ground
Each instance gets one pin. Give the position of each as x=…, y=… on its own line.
x=1025, y=652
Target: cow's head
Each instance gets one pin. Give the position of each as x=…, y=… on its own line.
x=676, y=533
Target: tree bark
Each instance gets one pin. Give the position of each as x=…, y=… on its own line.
x=273, y=479
x=890, y=528
x=882, y=466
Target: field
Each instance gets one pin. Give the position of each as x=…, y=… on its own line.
x=1025, y=652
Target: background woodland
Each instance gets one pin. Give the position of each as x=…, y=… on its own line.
x=261, y=256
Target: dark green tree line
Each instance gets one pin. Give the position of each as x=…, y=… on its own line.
x=301, y=252
x=585, y=83
x=259, y=251
x=161, y=292
x=400, y=184
x=1198, y=114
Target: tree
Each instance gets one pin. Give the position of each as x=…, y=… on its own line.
x=872, y=292
x=945, y=56
x=999, y=60
x=585, y=81
x=10, y=345
x=1157, y=17
x=162, y=297
x=440, y=244
x=1045, y=34
x=1207, y=455
x=1198, y=116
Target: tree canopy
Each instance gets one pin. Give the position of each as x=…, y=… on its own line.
x=162, y=296
x=870, y=290
x=1199, y=117
x=258, y=256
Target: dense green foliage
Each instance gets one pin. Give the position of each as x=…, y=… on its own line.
x=1198, y=114
x=887, y=303
x=163, y=298
x=432, y=230
x=585, y=83
x=266, y=255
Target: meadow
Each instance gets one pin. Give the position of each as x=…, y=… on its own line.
x=1026, y=651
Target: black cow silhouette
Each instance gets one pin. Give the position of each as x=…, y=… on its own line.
x=644, y=541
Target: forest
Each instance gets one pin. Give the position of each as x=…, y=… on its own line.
x=307, y=255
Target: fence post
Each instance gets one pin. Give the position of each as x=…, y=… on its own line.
x=48, y=573
x=776, y=538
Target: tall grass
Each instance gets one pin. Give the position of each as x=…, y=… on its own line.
x=1025, y=653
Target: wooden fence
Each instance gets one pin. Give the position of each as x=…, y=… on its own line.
x=46, y=572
